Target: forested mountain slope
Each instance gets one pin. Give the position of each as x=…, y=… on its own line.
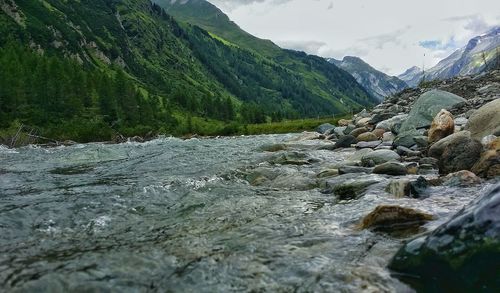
x=128, y=66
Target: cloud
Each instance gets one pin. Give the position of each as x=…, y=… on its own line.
x=232, y=4
x=439, y=45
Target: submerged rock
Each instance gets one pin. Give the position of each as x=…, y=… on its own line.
x=442, y=126
x=354, y=169
x=389, y=218
x=273, y=147
x=353, y=189
x=462, y=255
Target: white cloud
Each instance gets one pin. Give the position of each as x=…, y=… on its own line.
x=388, y=34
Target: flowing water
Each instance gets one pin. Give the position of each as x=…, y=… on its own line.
x=181, y=216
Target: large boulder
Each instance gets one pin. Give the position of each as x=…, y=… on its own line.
x=379, y=157
x=485, y=120
x=442, y=126
x=456, y=152
x=462, y=255
x=427, y=106
x=488, y=165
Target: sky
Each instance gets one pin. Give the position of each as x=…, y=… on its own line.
x=391, y=35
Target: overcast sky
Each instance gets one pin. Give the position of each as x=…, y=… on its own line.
x=391, y=35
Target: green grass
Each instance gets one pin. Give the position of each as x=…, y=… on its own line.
x=290, y=126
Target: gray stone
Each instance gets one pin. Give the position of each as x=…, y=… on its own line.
x=379, y=157
x=485, y=121
x=427, y=107
x=391, y=168
x=408, y=138
x=392, y=124
x=354, y=169
x=368, y=144
x=345, y=141
x=359, y=131
x=324, y=128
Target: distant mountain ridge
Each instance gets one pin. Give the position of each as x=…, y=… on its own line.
x=376, y=82
x=474, y=58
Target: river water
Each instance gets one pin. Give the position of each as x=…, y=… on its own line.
x=181, y=216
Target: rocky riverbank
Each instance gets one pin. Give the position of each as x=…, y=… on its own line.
x=447, y=136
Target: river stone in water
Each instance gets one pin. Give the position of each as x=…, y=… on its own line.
x=426, y=108
x=353, y=189
x=391, y=168
x=379, y=157
x=462, y=255
x=389, y=218
x=485, y=120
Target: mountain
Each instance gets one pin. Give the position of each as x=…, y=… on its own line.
x=412, y=76
x=477, y=56
x=162, y=75
x=207, y=16
x=377, y=83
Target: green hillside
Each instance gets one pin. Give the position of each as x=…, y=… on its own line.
x=142, y=71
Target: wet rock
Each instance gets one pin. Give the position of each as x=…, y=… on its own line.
x=391, y=168
x=442, y=126
x=412, y=168
x=354, y=169
x=358, y=155
x=488, y=165
x=427, y=106
x=273, y=147
x=399, y=188
x=353, y=189
x=356, y=132
x=328, y=173
x=462, y=255
x=485, y=120
x=379, y=157
x=367, y=136
x=294, y=182
x=345, y=141
x=461, y=178
x=389, y=218
x=418, y=188
x=324, y=128
x=429, y=161
x=368, y=144
x=291, y=158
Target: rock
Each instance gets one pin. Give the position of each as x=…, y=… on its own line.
x=339, y=131
x=407, y=138
x=421, y=141
x=391, y=168
x=487, y=140
x=349, y=128
x=488, y=165
x=379, y=157
x=354, y=169
x=353, y=189
x=412, y=168
x=363, y=114
x=324, y=128
x=462, y=255
x=358, y=155
x=429, y=161
x=344, y=122
x=460, y=121
x=393, y=124
x=442, y=126
x=367, y=136
x=389, y=218
x=379, y=133
x=399, y=188
x=427, y=106
x=291, y=158
x=273, y=147
x=368, y=144
x=359, y=131
x=461, y=178
x=345, y=141
x=328, y=173
x=363, y=122
x=485, y=120
x=401, y=150
x=419, y=187
x=388, y=136
x=456, y=152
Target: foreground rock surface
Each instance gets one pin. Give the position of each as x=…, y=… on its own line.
x=462, y=255
x=390, y=218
